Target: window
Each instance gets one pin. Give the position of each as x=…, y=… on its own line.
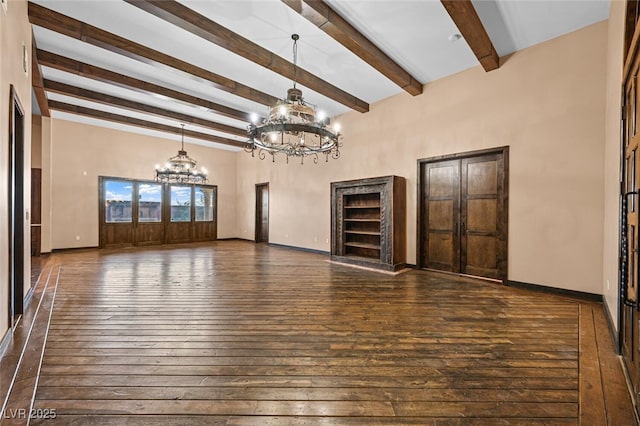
x=180, y=203
x=150, y=202
x=146, y=212
x=204, y=204
x=117, y=201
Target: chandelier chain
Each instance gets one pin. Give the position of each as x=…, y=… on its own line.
x=295, y=58
x=182, y=136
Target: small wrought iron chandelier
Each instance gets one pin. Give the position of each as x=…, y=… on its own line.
x=181, y=168
x=293, y=127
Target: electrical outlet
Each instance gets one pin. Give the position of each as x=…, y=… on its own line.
x=608, y=285
x=77, y=237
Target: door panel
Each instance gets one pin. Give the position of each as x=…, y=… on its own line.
x=481, y=238
x=204, y=227
x=482, y=175
x=442, y=254
x=116, y=214
x=443, y=179
x=36, y=211
x=482, y=215
x=262, y=213
x=441, y=199
x=149, y=229
x=16, y=205
x=441, y=214
x=481, y=256
x=178, y=229
x=148, y=234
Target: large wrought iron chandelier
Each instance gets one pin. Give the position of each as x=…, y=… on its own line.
x=181, y=168
x=293, y=127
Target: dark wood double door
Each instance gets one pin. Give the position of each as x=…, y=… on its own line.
x=462, y=214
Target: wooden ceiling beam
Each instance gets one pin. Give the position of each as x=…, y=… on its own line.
x=123, y=119
x=328, y=20
x=90, y=95
x=466, y=18
x=90, y=71
x=191, y=21
x=36, y=82
x=62, y=24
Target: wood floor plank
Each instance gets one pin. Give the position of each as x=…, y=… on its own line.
x=592, y=407
x=306, y=394
x=410, y=382
x=616, y=396
x=234, y=333
x=219, y=407
x=262, y=361
x=486, y=409
x=168, y=420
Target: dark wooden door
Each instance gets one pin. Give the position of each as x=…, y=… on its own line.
x=262, y=213
x=441, y=200
x=482, y=216
x=629, y=337
x=179, y=229
x=463, y=214
x=148, y=213
x=116, y=214
x=205, y=226
x=15, y=202
x=36, y=211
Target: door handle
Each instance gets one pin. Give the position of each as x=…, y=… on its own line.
x=463, y=230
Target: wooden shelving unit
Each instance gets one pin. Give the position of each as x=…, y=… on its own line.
x=368, y=224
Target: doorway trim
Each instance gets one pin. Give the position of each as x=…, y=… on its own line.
x=504, y=151
x=258, y=221
x=16, y=205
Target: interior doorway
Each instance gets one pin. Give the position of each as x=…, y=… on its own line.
x=262, y=213
x=15, y=202
x=462, y=213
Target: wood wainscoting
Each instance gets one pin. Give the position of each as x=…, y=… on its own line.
x=236, y=333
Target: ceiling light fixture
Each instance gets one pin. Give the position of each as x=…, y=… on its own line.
x=181, y=168
x=293, y=127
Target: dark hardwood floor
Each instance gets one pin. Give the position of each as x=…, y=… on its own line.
x=234, y=333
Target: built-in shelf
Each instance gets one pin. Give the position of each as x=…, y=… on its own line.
x=363, y=245
x=368, y=226
x=362, y=232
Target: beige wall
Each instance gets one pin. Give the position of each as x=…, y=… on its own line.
x=15, y=31
x=80, y=153
x=547, y=103
x=612, y=156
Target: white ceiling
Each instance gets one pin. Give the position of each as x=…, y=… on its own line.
x=414, y=33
